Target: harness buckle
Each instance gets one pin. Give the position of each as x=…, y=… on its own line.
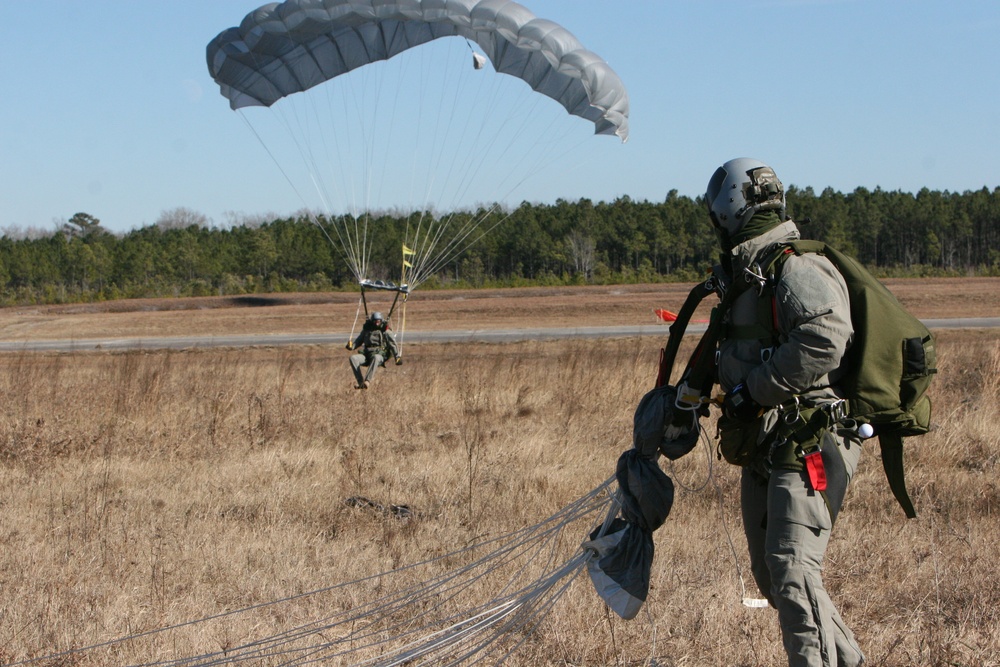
x=837, y=410
x=754, y=275
x=792, y=413
x=714, y=284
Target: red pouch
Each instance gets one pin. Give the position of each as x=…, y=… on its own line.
x=817, y=473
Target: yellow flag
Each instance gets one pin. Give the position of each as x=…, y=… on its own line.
x=407, y=251
x=407, y=264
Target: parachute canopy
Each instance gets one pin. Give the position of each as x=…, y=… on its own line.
x=282, y=49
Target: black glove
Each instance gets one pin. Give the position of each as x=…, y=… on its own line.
x=349, y=346
x=739, y=405
x=399, y=361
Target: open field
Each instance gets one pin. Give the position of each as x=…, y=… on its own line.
x=430, y=310
x=142, y=490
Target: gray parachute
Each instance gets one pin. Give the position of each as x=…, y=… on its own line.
x=286, y=48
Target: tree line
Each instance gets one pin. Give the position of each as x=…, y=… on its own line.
x=581, y=242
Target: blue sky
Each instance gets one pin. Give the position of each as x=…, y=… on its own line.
x=108, y=107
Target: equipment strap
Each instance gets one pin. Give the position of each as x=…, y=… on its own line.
x=891, y=445
x=669, y=354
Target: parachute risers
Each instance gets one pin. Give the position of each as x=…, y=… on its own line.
x=388, y=286
x=385, y=286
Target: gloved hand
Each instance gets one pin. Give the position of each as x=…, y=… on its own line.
x=399, y=361
x=350, y=345
x=739, y=404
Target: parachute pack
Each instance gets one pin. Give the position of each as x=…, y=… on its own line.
x=889, y=365
x=890, y=362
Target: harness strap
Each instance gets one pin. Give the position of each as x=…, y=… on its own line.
x=669, y=354
x=700, y=374
x=749, y=332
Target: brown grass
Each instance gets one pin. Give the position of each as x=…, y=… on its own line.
x=141, y=490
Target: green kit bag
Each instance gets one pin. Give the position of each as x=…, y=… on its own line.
x=889, y=364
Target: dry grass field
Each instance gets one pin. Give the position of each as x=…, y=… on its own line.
x=151, y=489
x=429, y=310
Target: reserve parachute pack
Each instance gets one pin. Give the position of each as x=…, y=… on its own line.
x=890, y=362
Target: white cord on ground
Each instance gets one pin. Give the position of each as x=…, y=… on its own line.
x=753, y=603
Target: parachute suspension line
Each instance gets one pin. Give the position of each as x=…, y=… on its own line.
x=360, y=215
x=490, y=90
x=402, y=325
x=454, y=77
x=424, y=243
x=369, y=143
x=471, y=228
x=357, y=255
x=441, y=126
x=357, y=313
x=459, y=240
x=347, y=248
x=468, y=163
x=267, y=150
x=431, y=265
x=403, y=280
x=423, y=160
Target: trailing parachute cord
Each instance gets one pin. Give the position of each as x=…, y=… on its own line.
x=434, y=585
x=463, y=622
x=516, y=542
x=541, y=604
x=652, y=639
x=744, y=599
x=703, y=439
x=522, y=610
x=339, y=654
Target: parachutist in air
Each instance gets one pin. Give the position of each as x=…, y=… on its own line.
x=375, y=344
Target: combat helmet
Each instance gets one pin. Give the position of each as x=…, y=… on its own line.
x=739, y=189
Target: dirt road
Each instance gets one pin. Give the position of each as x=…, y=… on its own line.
x=626, y=306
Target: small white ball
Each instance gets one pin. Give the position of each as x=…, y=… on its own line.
x=866, y=431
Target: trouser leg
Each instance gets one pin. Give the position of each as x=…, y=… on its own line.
x=357, y=361
x=788, y=543
x=753, y=503
x=373, y=366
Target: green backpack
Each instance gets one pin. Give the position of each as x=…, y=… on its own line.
x=890, y=361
